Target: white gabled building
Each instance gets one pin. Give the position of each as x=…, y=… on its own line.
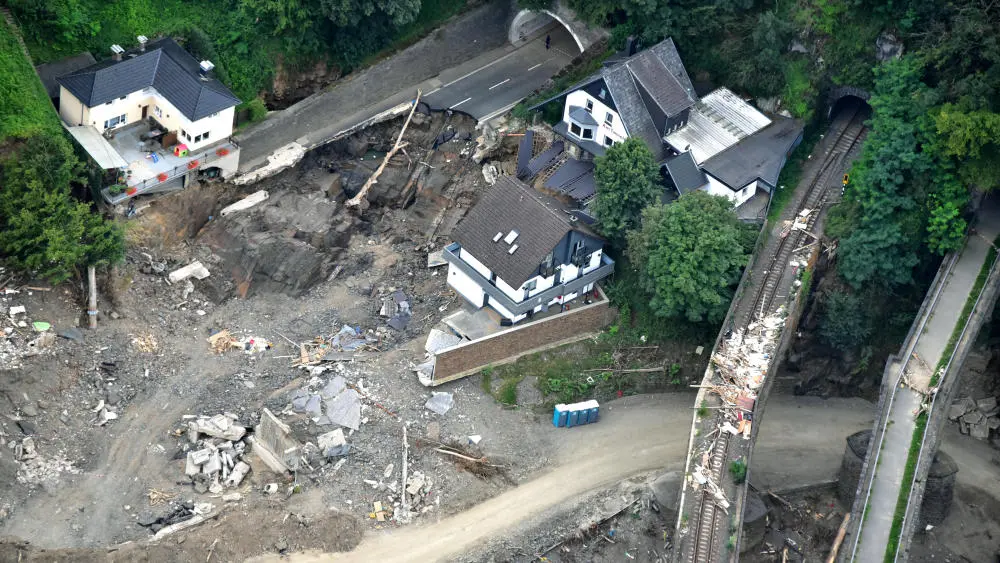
x=520, y=254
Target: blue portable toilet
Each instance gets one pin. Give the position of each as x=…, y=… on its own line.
x=593, y=410
x=559, y=416
x=584, y=415
x=574, y=418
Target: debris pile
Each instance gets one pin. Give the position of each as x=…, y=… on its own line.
x=33, y=468
x=396, y=307
x=334, y=403
x=976, y=418
x=216, y=458
x=223, y=341
x=345, y=345
x=21, y=338
x=179, y=512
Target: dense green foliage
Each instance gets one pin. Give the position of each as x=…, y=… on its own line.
x=627, y=182
x=42, y=228
x=690, y=254
x=845, y=326
x=25, y=109
x=243, y=37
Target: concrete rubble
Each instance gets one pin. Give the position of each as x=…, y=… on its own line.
x=245, y=203
x=976, y=417
x=440, y=402
x=216, y=453
x=195, y=269
x=35, y=469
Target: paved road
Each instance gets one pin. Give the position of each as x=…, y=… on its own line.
x=635, y=435
x=930, y=345
x=467, y=65
x=500, y=83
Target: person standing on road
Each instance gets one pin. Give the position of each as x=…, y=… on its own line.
x=548, y=40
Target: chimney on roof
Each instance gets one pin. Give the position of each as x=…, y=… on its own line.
x=204, y=68
x=631, y=45
x=116, y=52
x=142, y=43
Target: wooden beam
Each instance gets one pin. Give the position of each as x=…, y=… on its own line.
x=357, y=200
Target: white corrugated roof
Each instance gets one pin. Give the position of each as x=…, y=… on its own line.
x=720, y=120
x=97, y=147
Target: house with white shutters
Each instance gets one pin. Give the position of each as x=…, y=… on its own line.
x=152, y=117
x=521, y=253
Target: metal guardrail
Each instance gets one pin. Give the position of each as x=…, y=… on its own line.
x=895, y=386
x=150, y=184
x=923, y=440
x=519, y=308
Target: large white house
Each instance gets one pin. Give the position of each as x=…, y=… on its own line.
x=521, y=253
x=719, y=143
x=154, y=100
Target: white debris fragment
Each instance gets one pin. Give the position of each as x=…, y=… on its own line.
x=194, y=269
x=245, y=203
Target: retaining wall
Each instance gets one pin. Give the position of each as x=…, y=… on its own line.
x=507, y=346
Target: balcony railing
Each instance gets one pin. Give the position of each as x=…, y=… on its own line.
x=606, y=268
x=151, y=184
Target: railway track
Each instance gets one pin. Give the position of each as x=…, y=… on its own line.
x=711, y=518
x=793, y=240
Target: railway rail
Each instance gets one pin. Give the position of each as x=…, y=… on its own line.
x=710, y=516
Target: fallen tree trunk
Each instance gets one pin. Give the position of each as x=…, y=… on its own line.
x=360, y=200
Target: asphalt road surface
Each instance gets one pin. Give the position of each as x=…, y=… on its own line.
x=499, y=84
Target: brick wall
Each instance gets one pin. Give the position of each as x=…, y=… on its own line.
x=504, y=347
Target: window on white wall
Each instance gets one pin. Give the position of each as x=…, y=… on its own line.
x=609, y=118
x=588, y=134
x=608, y=141
x=574, y=129
x=590, y=106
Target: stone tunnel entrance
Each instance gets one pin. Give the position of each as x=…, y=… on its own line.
x=560, y=23
x=846, y=98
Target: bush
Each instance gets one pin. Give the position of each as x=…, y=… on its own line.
x=738, y=469
x=256, y=109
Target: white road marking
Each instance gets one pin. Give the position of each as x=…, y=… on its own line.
x=500, y=83
x=431, y=92
x=460, y=103
x=534, y=67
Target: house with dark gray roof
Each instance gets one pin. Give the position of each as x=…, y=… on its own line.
x=521, y=253
x=153, y=114
x=646, y=95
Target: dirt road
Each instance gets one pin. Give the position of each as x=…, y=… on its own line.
x=635, y=435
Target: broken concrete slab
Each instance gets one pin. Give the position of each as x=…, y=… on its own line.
x=333, y=443
x=993, y=422
x=195, y=269
x=960, y=407
x=666, y=488
x=245, y=203
x=399, y=321
x=438, y=340
x=213, y=465
x=980, y=430
x=973, y=417
x=219, y=426
x=333, y=387
x=436, y=259
x=345, y=409
x=986, y=404
x=200, y=457
x=71, y=333
x=314, y=406
x=440, y=402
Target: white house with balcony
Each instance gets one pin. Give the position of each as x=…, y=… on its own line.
x=153, y=117
x=521, y=254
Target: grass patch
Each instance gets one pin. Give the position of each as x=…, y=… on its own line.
x=508, y=391
x=702, y=409
x=970, y=303
x=799, y=93
x=25, y=109
x=791, y=174
x=904, y=491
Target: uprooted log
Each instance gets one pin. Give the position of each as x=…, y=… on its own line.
x=360, y=200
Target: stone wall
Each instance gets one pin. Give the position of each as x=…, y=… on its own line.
x=504, y=347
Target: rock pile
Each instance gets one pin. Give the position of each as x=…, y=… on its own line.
x=33, y=468
x=977, y=418
x=177, y=513
x=216, y=458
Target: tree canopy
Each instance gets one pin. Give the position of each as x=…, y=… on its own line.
x=42, y=228
x=689, y=254
x=627, y=182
